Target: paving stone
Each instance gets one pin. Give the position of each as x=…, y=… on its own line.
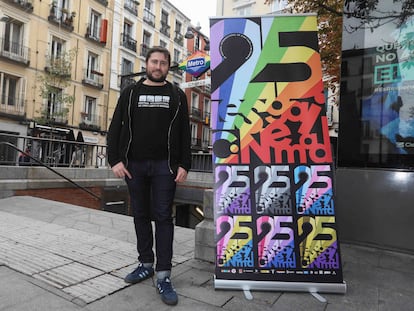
x=108, y=261
x=96, y=288
x=67, y=275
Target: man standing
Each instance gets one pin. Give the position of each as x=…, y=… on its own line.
x=149, y=145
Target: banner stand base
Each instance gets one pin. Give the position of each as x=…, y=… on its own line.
x=314, y=288
x=318, y=297
x=247, y=294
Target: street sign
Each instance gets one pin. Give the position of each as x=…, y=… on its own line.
x=186, y=85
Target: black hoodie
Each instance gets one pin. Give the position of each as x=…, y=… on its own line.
x=179, y=137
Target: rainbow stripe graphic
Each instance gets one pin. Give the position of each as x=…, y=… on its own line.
x=273, y=170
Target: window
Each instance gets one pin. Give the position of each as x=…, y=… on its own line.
x=95, y=24
x=92, y=66
x=13, y=37
x=128, y=29
x=127, y=36
x=146, y=39
x=146, y=43
x=165, y=27
x=9, y=90
x=197, y=43
x=177, y=56
x=206, y=137
x=243, y=11
x=163, y=43
x=376, y=124
x=54, y=104
x=148, y=5
x=62, y=4
x=178, y=27
x=164, y=17
x=90, y=110
x=278, y=6
x=194, y=100
x=149, y=17
x=206, y=110
x=195, y=110
x=127, y=67
x=193, y=127
x=62, y=8
x=56, y=48
x=131, y=6
x=179, y=38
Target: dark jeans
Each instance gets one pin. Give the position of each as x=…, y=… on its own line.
x=152, y=190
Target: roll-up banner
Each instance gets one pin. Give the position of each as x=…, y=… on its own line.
x=273, y=169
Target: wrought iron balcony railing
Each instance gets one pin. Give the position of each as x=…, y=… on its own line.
x=149, y=17
x=128, y=42
x=61, y=17
x=12, y=105
x=90, y=122
x=93, y=78
x=131, y=6
x=14, y=51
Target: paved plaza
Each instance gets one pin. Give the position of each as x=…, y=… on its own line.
x=56, y=256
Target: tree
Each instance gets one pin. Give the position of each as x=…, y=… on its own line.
x=53, y=83
x=330, y=13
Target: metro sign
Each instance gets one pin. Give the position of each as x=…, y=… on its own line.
x=196, y=64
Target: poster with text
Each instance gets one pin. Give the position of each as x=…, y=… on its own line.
x=273, y=171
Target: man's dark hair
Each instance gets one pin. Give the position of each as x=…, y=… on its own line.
x=159, y=49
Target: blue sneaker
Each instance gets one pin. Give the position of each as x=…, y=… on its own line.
x=167, y=291
x=139, y=274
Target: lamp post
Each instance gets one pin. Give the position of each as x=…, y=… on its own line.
x=195, y=32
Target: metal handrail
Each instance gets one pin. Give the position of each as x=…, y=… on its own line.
x=51, y=169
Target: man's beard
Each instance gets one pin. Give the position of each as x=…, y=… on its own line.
x=153, y=79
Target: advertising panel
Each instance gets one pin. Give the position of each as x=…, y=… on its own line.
x=273, y=171
x=377, y=89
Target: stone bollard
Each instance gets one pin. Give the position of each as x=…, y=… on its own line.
x=205, y=247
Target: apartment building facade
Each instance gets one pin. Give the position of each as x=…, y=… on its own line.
x=197, y=90
x=249, y=7
x=61, y=61
x=152, y=22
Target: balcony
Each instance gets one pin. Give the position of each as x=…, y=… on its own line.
x=25, y=5
x=149, y=18
x=144, y=49
x=165, y=29
x=195, y=114
x=58, y=66
x=128, y=42
x=179, y=38
x=90, y=122
x=56, y=117
x=61, y=17
x=12, y=106
x=195, y=142
x=93, y=33
x=93, y=78
x=14, y=51
x=131, y=6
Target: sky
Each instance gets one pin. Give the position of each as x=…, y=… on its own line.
x=197, y=11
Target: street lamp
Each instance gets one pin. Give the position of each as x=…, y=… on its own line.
x=189, y=34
